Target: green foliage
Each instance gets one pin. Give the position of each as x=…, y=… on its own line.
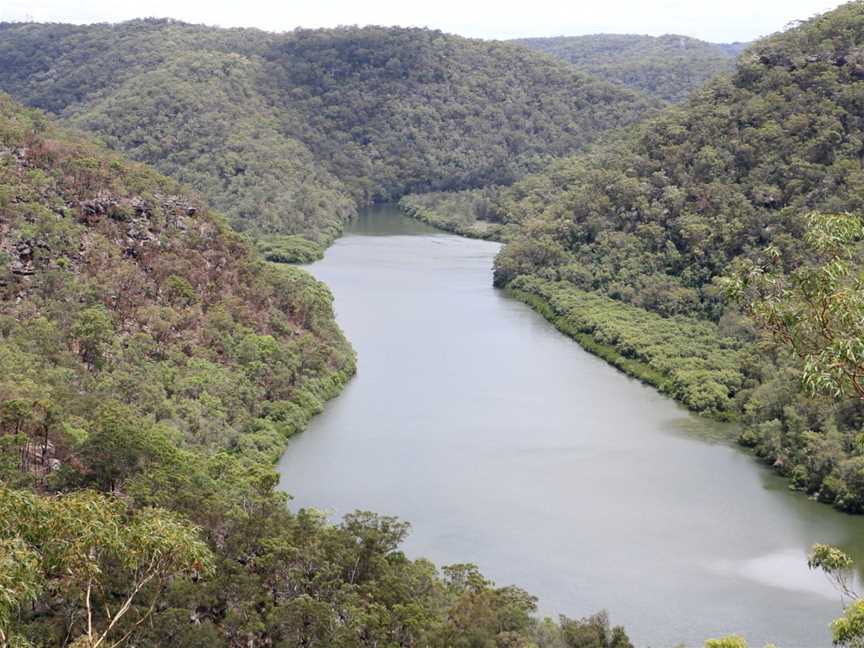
x=170, y=307
x=119, y=445
x=684, y=357
x=668, y=67
x=20, y=584
x=848, y=630
x=180, y=292
x=289, y=249
x=829, y=559
x=84, y=544
x=468, y=213
x=593, y=632
x=93, y=331
x=732, y=641
x=816, y=309
x=733, y=170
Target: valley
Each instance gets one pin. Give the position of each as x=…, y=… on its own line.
x=289, y=326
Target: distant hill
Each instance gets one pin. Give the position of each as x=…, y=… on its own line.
x=667, y=67
x=287, y=133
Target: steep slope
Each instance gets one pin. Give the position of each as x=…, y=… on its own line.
x=286, y=133
x=668, y=67
x=118, y=286
x=650, y=223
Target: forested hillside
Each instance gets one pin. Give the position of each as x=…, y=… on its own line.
x=287, y=133
x=667, y=67
x=151, y=370
x=626, y=245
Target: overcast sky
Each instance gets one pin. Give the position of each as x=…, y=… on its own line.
x=713, y=20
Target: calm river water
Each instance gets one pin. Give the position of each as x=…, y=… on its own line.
x=507, y=445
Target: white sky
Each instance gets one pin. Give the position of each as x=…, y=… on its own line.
x=713, y=20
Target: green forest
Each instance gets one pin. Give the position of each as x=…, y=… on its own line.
x=689, y=212
x=667, y=67
x=287, y=134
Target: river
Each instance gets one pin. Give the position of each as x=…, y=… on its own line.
x=507, y=445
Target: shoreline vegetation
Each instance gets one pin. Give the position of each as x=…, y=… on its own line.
x=448, y=212
x=533, y=294
x=684, y=358
x=714, y=381
x=642, y=371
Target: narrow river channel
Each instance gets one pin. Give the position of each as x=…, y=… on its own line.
x=507, y=445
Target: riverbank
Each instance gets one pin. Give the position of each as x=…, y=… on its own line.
x=294, y=248
x=634, y=368
x=684, y=358
x=449, y=214
x=702, y=375
x=267, y=443
x=455, y=212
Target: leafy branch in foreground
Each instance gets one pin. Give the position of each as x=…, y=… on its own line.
x=731, y=641
x=20, y=583
x=817, y=310
x=848, y=630
x=83, y=545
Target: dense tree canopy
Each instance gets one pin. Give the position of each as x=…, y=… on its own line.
x=80, y=547
x=470, y=212
x=848, y=630
x=668, y=67
x=122, y=293
x=287, y=133
x=733, y=170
